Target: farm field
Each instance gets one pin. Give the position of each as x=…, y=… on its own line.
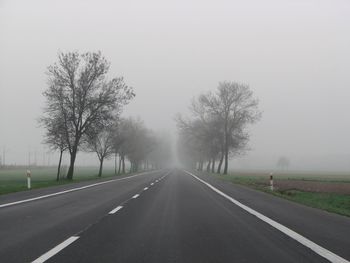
x=13, y=179
x=330, y=192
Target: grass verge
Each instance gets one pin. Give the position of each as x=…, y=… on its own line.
x=331, y=202
x=14, y=180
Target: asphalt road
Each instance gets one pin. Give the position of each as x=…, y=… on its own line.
x=165, y=216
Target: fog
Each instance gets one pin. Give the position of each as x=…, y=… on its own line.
x=294, y=55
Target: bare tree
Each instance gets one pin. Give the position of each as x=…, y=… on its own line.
x=283, y=162
x=80, y=93
x=219, y=123
x=100, y=141
x=161, y=154
x=117, y=141
x=234, y=105
x=121, y=142
x=138, y=143
x=195, y=141
x=54, y=136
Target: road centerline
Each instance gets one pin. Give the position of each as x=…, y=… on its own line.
x=115, y=210
x=135, y=196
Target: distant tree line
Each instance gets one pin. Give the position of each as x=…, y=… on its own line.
x=217, y=127
x=83, y=111
x=283, y=162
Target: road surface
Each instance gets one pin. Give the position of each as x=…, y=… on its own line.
x=166, y=216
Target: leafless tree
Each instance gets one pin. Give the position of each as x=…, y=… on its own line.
x=54, y=136
x=219, y=123
x=195, y=141
x=283, y=162
x=100, y=141
x=121, y=139
x=235, y=106
x=138, y=143
x=117, y=141
x=161, y=155
x=81, y=95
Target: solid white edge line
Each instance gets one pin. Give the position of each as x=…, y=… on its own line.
x=55, y=250
x=135, y=196
x=299, y=238
x=67, y=191
x=115, y=210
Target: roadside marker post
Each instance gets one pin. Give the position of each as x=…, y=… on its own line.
x=271, y=181
x=29, y=175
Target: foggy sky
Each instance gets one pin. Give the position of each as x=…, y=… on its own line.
x=295, y=56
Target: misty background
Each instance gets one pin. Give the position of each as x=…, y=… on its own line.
x=294, y=55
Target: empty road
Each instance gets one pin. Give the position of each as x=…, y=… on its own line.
x=166, y=216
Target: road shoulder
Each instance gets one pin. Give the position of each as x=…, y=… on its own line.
x=324, y=228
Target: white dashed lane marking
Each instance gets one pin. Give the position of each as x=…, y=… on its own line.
x=70, y=240
x=115, y=210
x=135, y=196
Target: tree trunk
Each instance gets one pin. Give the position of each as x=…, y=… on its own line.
x=213, y=166
x=220, y=163
x=226, y=159
x=101, y=166
x=59, y=167
x=123, y=164
x=131, y=167
x=208, y=166
x=120, y=164
x=70, y=173
x=226, y=145
x=115, y=163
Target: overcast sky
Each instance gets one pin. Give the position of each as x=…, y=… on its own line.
x=294, y=54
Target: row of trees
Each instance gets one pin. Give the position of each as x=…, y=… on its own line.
x=217, y=127
x=83, y=110
x=129, y=139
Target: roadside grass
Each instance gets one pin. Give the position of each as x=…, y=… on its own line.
x=295, y=175
x=15, y=180
x=331, y=202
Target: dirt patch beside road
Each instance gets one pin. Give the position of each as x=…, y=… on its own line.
x=312, y=186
